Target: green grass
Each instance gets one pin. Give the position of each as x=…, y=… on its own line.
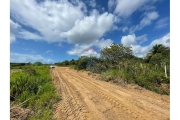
x=34, y=85
x=148, y=77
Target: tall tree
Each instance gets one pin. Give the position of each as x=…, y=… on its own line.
x=115, y=53
x=158, y=54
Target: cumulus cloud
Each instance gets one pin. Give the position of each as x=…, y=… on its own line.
x=25, y=58
x=165, y=40
x=132, y=39
x=89, y=29
x=141, y=51
x=49, y=18
x=125, y=8
x=142, y=38
x=82, y=50
x=102, y=43
x=87, y=49
x=147, y=20
x=60, y=21
x=128, y=40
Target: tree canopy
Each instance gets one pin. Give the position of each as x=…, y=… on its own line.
x=158, y=54
x=116, y=52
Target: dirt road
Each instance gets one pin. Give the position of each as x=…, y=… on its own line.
x=85, y=98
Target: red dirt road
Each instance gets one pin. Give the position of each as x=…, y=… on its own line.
x=85, y=98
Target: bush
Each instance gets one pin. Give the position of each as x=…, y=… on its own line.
x=144, y=75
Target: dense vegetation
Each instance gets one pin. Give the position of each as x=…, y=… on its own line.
x=32, y=88
x=118, y=64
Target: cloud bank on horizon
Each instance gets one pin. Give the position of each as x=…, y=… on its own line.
x=84, y=27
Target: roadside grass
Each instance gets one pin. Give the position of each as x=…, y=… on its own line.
x=149, y=78
x=34, y=88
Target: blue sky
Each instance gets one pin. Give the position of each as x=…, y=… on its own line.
x=52, y=31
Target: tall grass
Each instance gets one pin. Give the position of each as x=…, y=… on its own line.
x=34, y=85
x=145, y=75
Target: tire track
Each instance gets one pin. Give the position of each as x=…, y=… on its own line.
x=72, y=105
x=141, y=100
x=118, y=103
x=87, y=99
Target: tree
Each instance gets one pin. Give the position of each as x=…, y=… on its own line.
x=38, y=63
x=159, y=53
x=82, y=63
x=66, y=62
x=72, y=62
x=115, y=53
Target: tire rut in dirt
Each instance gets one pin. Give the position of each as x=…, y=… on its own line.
x=144, y=101
x=71, y=106
x=117, y=105
x=88, y=99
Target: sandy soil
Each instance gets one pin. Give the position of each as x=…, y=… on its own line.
x=85, y=98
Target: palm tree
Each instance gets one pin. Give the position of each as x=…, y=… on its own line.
x=158, y=48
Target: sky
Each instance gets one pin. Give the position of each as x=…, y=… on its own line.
x=51, y=31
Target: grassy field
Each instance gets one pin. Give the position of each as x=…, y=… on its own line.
x=32, y=88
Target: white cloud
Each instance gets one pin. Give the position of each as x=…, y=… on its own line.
x=17, y=31
x=25, y=58
x=124, y=29
x=111, y=4
x=13, y=30
x=128, y=40
x=90, y=52
x=141, y=51
x=89, y=29
x=142, y=38
x=149, y=17
x=162, y=23
x=92, y=3
x=49, y=18
x=102, y=43
x=13, y=26
x=147, y=20
x=165, y=40
x=147, y=8
x=12, y=38
x=133, y=40
x=60, y=21
x=94, y=12
x=29, y=35
x=49, y=51
x=115, y=27
x=126, y=7
x=82, y=50
x=87, y=49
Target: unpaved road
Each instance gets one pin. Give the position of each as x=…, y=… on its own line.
x=85, y=98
